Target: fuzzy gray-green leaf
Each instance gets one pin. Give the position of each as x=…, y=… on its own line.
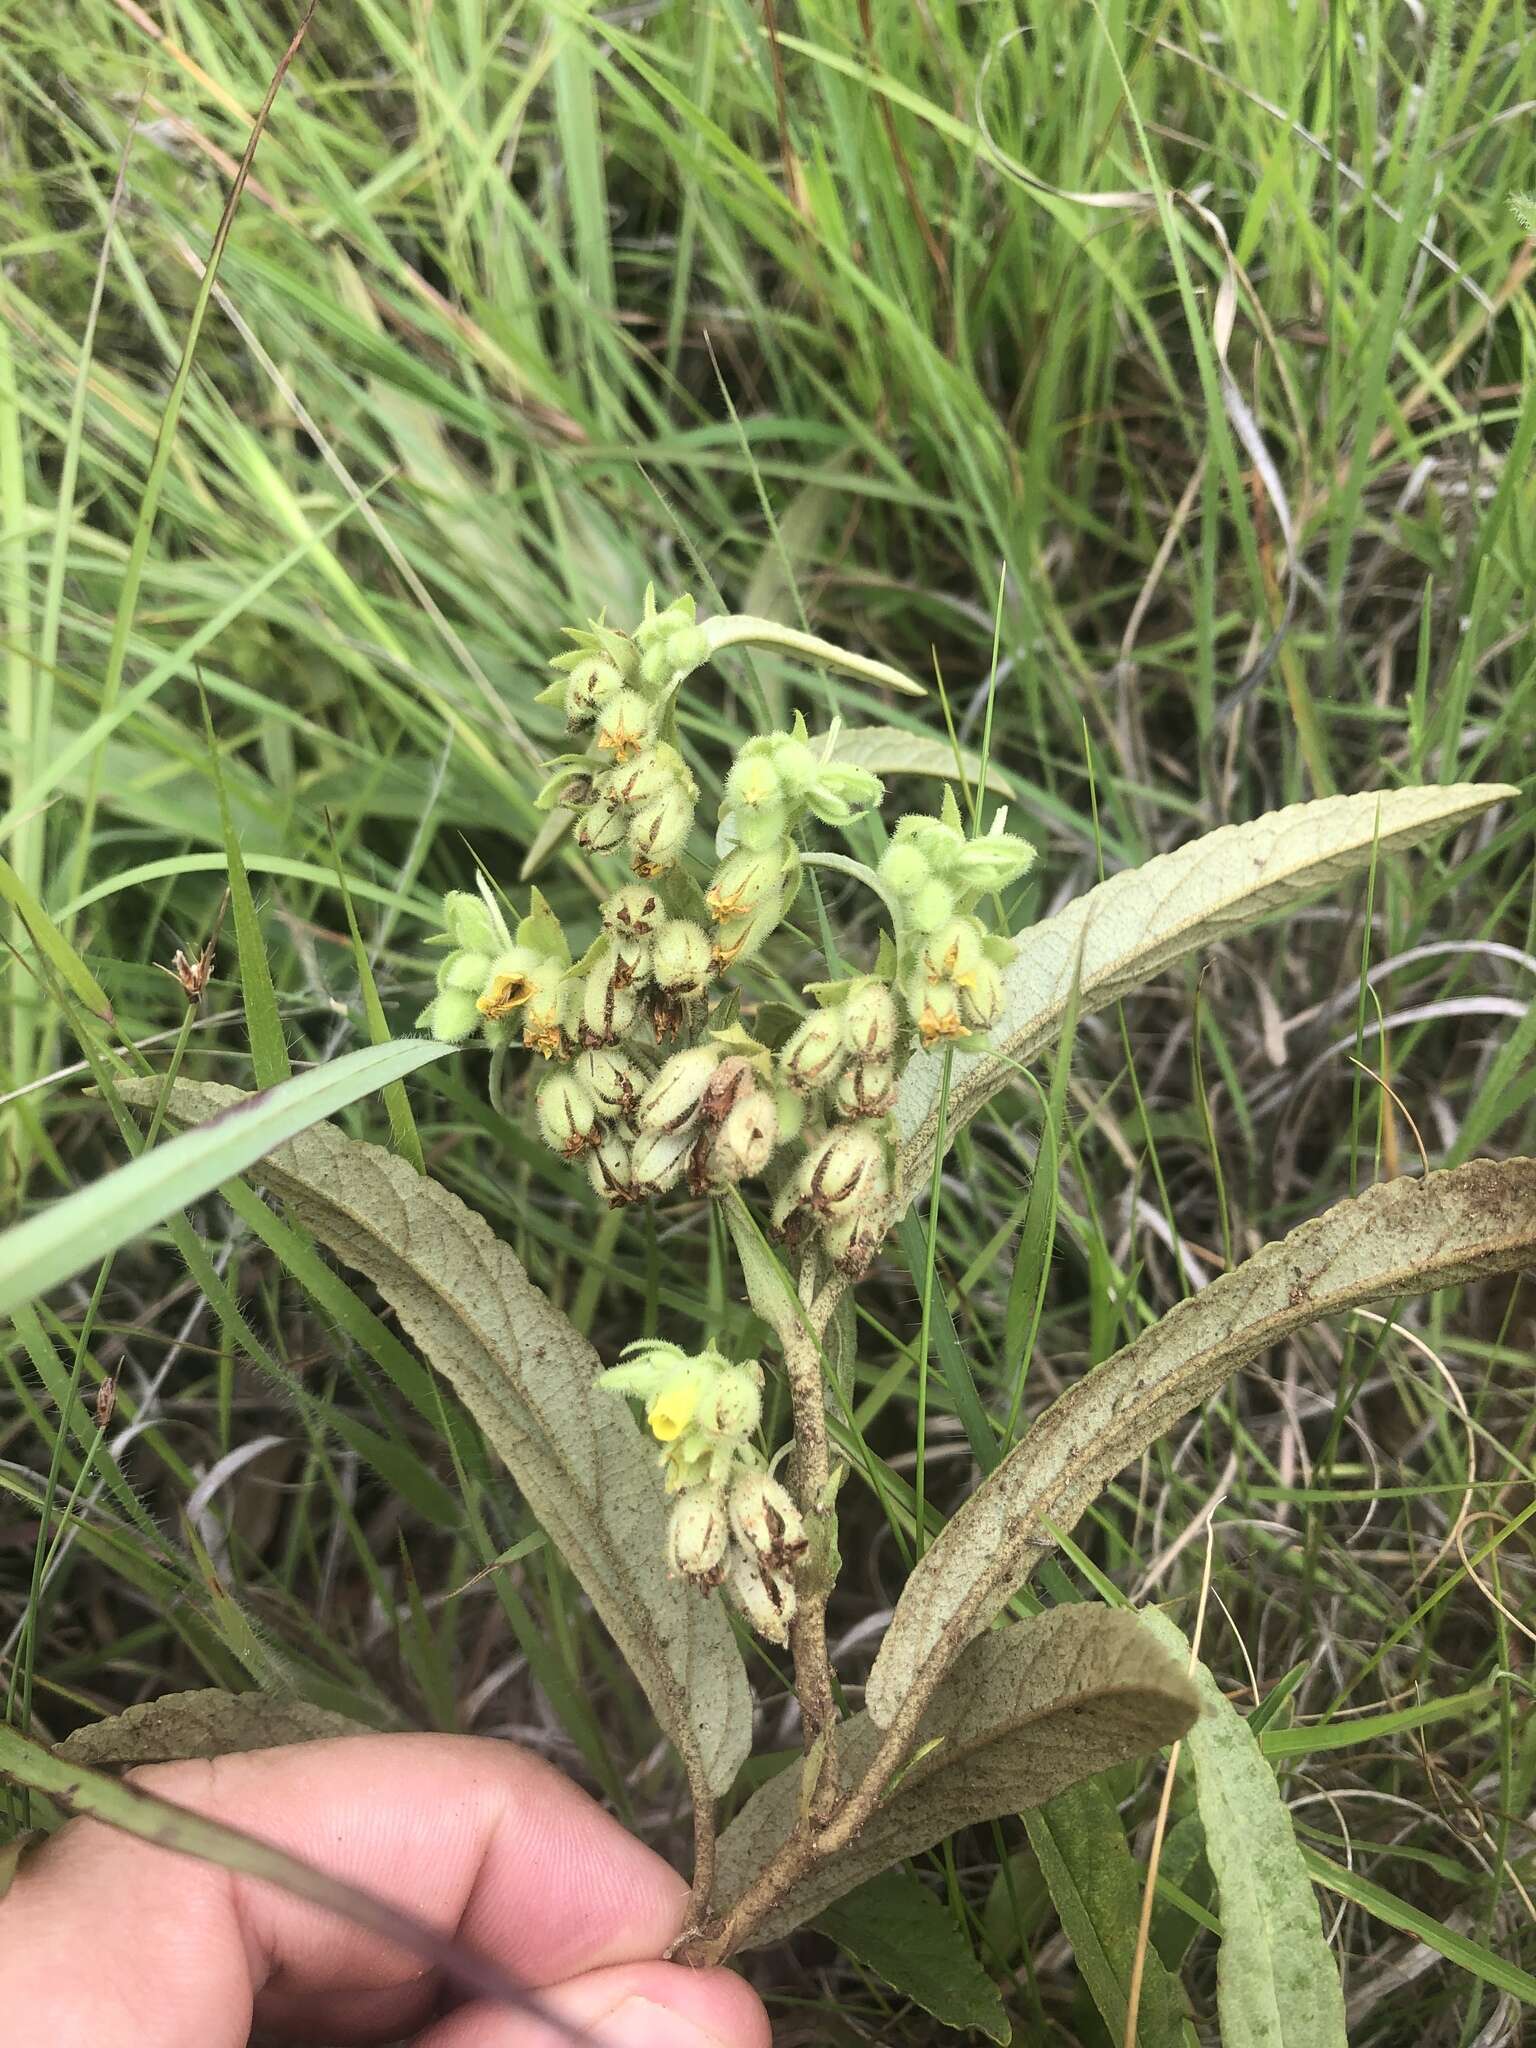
x=1140, y=921
x=892, y=750
x=1402, y=1237
x=527, y=1376
x=1277, y=1985
x=206, y=1723
x=1027, y=1711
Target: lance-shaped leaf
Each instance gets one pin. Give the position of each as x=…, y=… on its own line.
x=1404, y=1236
x=1277, y=1984
x=1026, y=1712
x=891, y=750
x=737, y=629
x=1139, y=922
x=527, y=1376
x=205, y=1723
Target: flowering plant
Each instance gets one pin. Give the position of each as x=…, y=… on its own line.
x=662, y=1065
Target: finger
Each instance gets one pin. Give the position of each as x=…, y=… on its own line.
x=636, y=2005
x=110, y=1939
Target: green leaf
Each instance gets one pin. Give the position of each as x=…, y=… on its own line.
x=527, y=1376
x=892, y=750
x=1277, y=1985
x=74, y=1233
x=1096, y=1887
x=51, y=942
x=1404, y=1236
x=206, y=1723
x=1139, y=922
x=737, y=629
x=1027, y=1711
x=263, y=1024
x=896, y=1927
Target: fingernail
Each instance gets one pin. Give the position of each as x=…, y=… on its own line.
x=640, y=2023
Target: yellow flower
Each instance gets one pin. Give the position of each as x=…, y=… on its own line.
x=672, y=1410
x=934, y=1024
x=506, y=993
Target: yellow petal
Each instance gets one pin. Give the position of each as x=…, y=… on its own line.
x=672, y=1411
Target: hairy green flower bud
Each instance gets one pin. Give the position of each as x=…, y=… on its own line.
x=851, y=1243
x=935, y=1006
x=657, y=626
x=953, y=951
x=609, y=1005
x=615, y=1081
x=753, y=780
x=567, y=1114
x=468, y=922
x=633, y=912
x=658, y=832
x=765, y=1598
x=746, y=880
x=610, y=1167
x=731, y=1401
x=651, y=773
x=594, y=682
x=794, y=763
x=765, y=830
x=994, y=861
x=981, y=997
x=903, y=868
x=765, y=1521
x=930, y=907
x=680, y=958
x=739, y=938
x=845, y=1171
x=865, y=1088
x=672, y=1101
x=624, y=724
x=659, y=1159
x=747, y=1139
x=815, y=1054
x=869, y=1020
x=601, y=830
x=467, y=971
x=698, y=1536
x=840, y=792
x=451, y=1016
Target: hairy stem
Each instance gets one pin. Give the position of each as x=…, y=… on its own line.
x=813, y=1472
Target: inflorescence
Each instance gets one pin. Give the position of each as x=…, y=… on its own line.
x=653, y=1077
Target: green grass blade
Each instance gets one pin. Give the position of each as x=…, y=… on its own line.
x=71, y=1234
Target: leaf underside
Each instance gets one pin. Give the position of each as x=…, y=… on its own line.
x=204, y=1723
x=1027, y=1711
x=1404, y=1236
x=527, y=1376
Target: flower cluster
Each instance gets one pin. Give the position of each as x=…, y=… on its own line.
x=732, y=1524
x=653, y=1075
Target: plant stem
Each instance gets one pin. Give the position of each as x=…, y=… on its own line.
x=813, y=1472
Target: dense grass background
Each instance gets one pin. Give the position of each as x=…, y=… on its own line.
x=895, y=322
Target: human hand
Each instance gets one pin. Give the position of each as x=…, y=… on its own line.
x=109, y=1941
